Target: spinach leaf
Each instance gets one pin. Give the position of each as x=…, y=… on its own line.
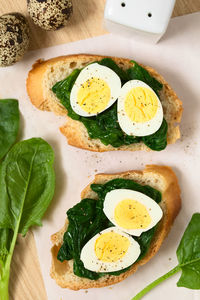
x=87, y=218
x=158, y=140
x=27, y=184
x=139, y=73
x=9, y=124
x=188, y=254
x=63, y=88
x=108, y=62
x=105, y=125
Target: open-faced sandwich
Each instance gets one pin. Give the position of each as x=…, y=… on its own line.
x=119, y=225
x=110, y=103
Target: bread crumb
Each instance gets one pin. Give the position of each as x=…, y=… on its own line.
x=86, y=291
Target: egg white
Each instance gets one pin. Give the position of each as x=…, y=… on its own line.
x=135, y=128
x=98, y=71
x=92, y=263
x=114, y=197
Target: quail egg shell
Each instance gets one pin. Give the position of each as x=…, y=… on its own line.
x=50, y=14
x=14, y=38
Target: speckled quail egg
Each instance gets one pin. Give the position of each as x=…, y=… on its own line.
x=14, y=38
x=50, y=14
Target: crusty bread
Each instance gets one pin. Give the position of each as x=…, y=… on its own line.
x=45, y=74
x=159, y=177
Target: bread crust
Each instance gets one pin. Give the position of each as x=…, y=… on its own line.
x=40, y=94
x=160, y=177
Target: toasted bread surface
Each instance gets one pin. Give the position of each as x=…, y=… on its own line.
x=45, y=74
x=159, y=177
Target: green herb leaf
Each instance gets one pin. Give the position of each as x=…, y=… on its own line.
x=9, y=124
x=87, y=218
x=105, y=126
x=27, y=184
x=188, y=254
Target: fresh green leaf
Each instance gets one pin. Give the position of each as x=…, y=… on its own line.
x=27, y=184
x=105, y=125
x=87, y=218
x=9, y=124
x=188, y=254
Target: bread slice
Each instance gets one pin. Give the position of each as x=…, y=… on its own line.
x=159, y=177
x=45, y=74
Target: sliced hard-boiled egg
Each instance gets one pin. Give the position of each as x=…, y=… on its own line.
x=139, y=109
x=131, y=211
x=95, y=89
x=110, y=250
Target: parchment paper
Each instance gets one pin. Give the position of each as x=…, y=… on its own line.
x=177, y=58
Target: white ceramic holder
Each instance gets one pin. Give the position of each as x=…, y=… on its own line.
x=140, y=19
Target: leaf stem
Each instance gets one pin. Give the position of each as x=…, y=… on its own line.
x=156, y=282
x=4, y=279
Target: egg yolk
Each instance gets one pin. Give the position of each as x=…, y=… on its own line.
x=141, y=104
x=94, y=95
x=111, y=246
x=131, y=214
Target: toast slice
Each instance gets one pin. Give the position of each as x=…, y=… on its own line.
x=45, y=74
x=159, y=177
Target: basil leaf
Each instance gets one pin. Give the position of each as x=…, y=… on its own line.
x=9, y=124
x=105, y=125
x=188, y=254
x=87, y=218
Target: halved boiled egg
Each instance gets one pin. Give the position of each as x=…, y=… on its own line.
x=95, y=89
x=110, y=250
x=131, y=211
x=140, y=112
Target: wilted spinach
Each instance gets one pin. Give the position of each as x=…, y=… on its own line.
x=87, y=219
x=27, y=184
x=9, y=124
x=105, y=125
x=188, y=254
